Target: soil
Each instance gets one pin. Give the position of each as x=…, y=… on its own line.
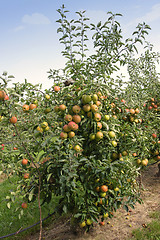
x=120, y=227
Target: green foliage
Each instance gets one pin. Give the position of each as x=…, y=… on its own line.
x=108, y=144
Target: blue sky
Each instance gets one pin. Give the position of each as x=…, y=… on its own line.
x=29, y=44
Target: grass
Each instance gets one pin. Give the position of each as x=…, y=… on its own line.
x=151, y=232
x=9, y=220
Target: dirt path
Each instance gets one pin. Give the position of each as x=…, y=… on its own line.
x=121, y=225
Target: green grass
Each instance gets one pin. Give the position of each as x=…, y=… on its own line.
x=9, y=221
x=151, y=232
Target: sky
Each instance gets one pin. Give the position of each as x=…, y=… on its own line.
x=29, y=42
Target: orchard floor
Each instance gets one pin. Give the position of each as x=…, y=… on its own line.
x=121, y=225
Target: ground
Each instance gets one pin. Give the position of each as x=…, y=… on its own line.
x=120, y=227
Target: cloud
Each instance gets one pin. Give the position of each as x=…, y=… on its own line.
x=35, y=18
x=19, y=28
x=149, y=17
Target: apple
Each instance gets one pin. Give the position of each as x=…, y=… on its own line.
x=56, y=88
x=63, y=135
x=66, y=128
x=82, y=224
x=32, y=106
x=89, y=222
x=73, y=126
x=114, y=143
x=13, y=120
x=26, y=175
x=47, y=97
x=25, y=108
x=112, y=134
x=24, y=205
x=77, y=118
x=44, y=124
x=2, y=95
x=77, y=148
x=99, y=135
x=104, y=188
x=97, y=117
x=86, y=108
x=71, y=134
x=62, y=107
x=102, y=194
x=24, y=161
x=76, y=109
x=68, y=117
x=106, y=117
x=94, y=108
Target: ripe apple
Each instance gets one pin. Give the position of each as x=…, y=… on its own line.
x=39, y=129
x=71, y=134
x=66, y=128
x=6, y=97
x=77, y=148
x=106, y=117
x=114, y=143
x=82, y=224
x=86, y=108
x=25, y=108
x=77, y=118
x=56, y=88
x=73, y=126
x=13, y=120
x=24, y=205
x=112, y=134
x=24, y=161
x=102, y=223
x=47, y=97
x=63, y=135
x=99, y=125
x=104, y=188
x=68, y=117
x=88, y=221
x=97, y=117
x=132, y=111
x=76, y=109
x=98, y=103
x=94, y=108
x=137, y=110
x=62, y=107
x=154, y=135
x=26, y=175
x=2, y=95
x=32, y=106
x=44, y=124
x=144, y=162
x=99, y=135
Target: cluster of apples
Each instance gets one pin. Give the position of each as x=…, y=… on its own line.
x=3, y=95
x=27, y=107
x=43, y=127
x=152, y=104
